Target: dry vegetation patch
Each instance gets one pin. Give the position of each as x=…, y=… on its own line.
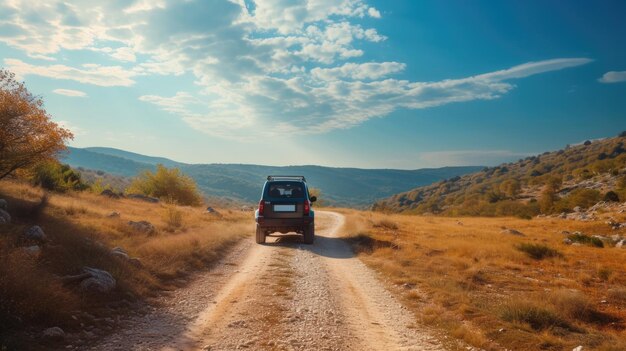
x=495, y=290
x=82, y=229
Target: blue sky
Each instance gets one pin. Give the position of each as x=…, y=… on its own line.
x=352, y=83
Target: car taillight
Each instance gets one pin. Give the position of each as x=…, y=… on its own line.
x=261, y=207
x=307, y=207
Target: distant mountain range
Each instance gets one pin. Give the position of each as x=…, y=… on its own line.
x=352, y=187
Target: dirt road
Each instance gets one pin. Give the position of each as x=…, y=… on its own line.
x=280, y=296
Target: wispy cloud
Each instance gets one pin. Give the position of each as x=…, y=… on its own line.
x=70, y=92
x=613, y=77
x=106, y=76
x=273, y=67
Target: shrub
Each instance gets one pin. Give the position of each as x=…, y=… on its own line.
x=573, y=304
x=622, y=134
x=581, y=197
x=167, y=183
x=611, y=196
x=57, y=177
x=538, y=317
x=587, y=143
x=173, y=217
x=537, y=251
x=586, y=239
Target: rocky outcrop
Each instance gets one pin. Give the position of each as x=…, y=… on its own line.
x=4, y=205
x=142, y=226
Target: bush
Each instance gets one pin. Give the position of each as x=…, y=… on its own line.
x=538, y=317
x=537, y=251
x=611, y=196
x=586, y=239
x=57, y=177
x=167, y=183
x=173, y=217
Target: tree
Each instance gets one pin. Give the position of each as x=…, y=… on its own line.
x=167, y=183
x=27, y=134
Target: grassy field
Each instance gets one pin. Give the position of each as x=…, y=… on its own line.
x=475, y=281
x=82, y=232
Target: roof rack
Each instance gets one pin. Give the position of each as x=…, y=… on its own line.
x=285, y=177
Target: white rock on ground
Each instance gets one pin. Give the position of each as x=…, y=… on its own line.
x=99, y=282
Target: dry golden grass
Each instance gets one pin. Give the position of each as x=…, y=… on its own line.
x=469, y=278
x=82, y=233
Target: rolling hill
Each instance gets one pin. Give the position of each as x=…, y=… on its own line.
x=352, y=187
x=553, y=182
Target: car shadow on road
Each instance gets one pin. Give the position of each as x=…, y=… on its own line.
x=323, y=245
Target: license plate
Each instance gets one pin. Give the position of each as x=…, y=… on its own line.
x=284, y=208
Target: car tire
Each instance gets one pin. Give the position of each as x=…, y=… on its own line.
x=260, y=235
x=309, y=234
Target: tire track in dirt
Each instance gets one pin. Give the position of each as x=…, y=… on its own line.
x=283, y=295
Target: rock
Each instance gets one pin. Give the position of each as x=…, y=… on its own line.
x=616, y=237
x=567, y=241
x=5, y=217
x=566, y=232
x=109, y=193
x=512, y=232
x=578, y=348
x=113, y=214
x=35, y=233
x=143, y=226
x=577, y=209
x=54, y=334
x=33, y=250
x=119, y=252
x=621, y=244
x=210, y=209
x=143, y=198
x=99, y=281
x=4, y=205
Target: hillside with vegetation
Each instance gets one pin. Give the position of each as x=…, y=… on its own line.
x=351, y=187
x=558, y=182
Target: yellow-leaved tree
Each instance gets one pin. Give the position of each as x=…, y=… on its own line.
x=27, y=134
x=169, y=184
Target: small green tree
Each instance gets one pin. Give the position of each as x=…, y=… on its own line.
x=167, y=183
x=54, y=176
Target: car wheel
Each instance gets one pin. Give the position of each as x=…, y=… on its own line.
x=260, y=235
x=309, y=234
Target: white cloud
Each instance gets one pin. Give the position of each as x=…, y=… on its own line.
x=272, y=67
x=106, y=76
x=70, y=92
x=373, y=12
x=371, y=70
x=613, y=77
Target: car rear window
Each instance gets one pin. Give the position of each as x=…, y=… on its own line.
x=285, y=190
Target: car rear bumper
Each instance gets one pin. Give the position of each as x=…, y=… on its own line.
x=284, y=222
